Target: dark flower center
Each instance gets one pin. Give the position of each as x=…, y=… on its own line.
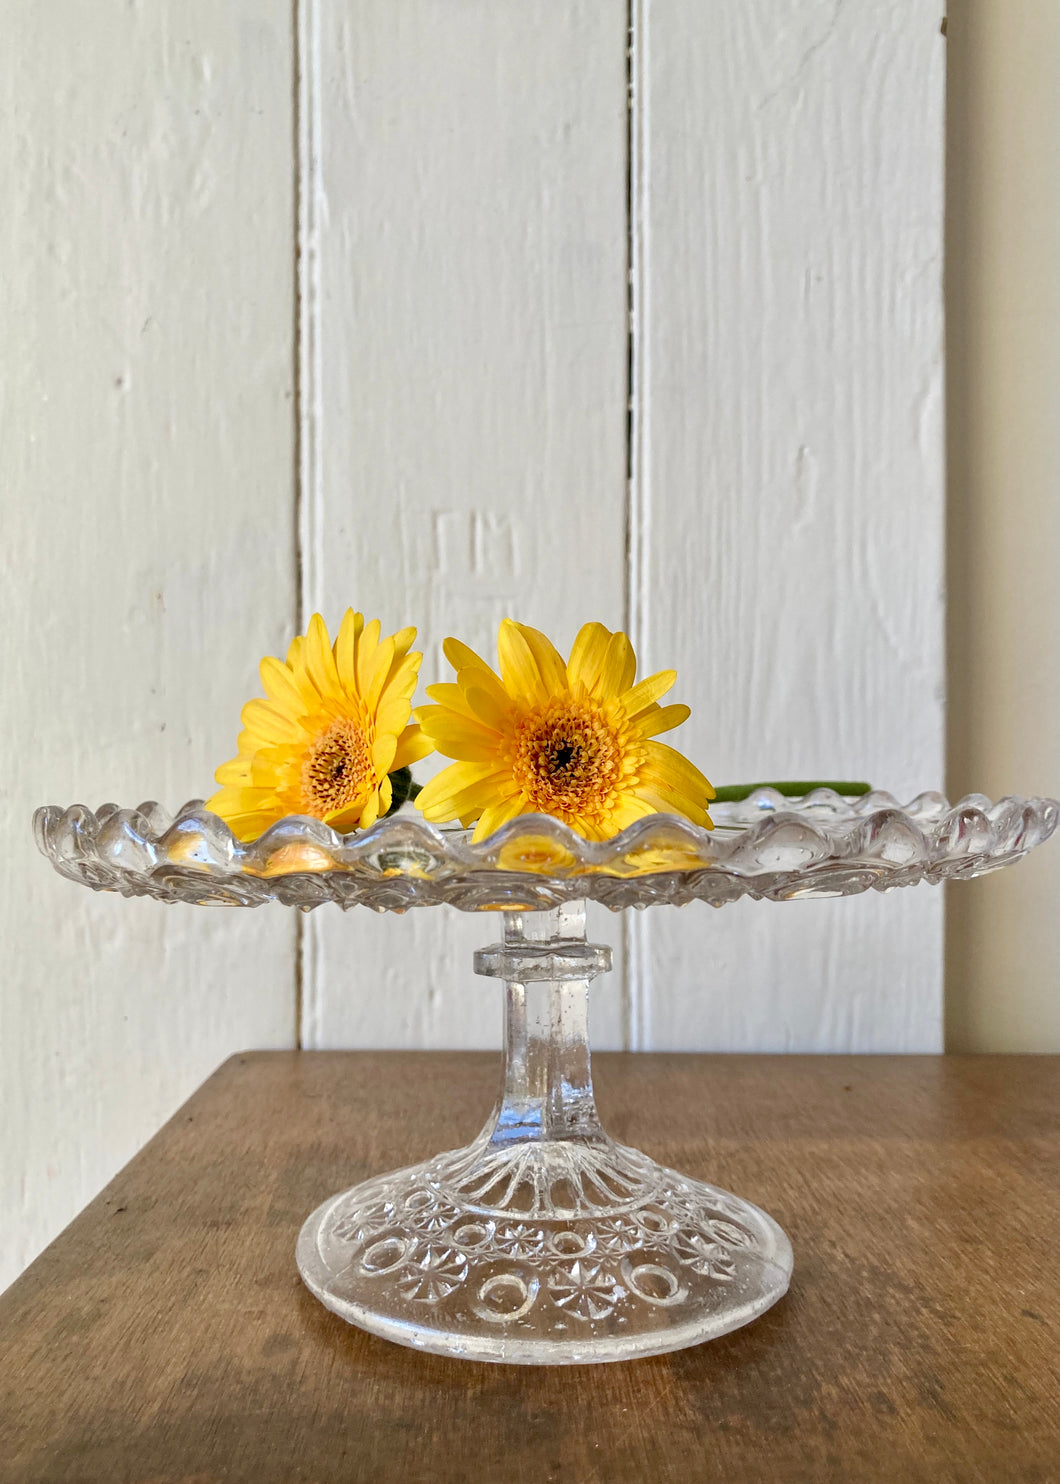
x=337, y=768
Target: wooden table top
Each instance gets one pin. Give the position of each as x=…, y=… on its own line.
x=166, y=1336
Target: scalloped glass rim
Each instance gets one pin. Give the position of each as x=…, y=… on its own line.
x=766, y=846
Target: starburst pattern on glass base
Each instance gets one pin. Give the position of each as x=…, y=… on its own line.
x=554, y=1250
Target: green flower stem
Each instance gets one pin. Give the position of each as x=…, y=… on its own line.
x=733, y=792
x=404, y=789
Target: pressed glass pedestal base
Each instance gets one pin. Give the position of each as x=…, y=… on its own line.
x=544, y=1242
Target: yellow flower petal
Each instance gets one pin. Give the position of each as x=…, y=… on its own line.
x=346, y=650
x=281, y=686
x=588, y=654
x=519, y=670
x=479, y=679
x=672, y=801
x=450, y=794
x=402, y=677
x=572, y=741
x=320, y=660
x=367, y=645
x=452, y=697
x=381, y=663
x=458, y=736
x=662, y=719
x=235, y=773
x=268, y=722
x=629, y=809
x=455, y=777
x=412, y=745
x=461, y=657
x=392, y=716
x=334, y=726
x=550, y=666
x=345, y=821
x=242, y=798
x=668, y=764
x=383, y=750
x=487, y=707
x=619, y=667
x=647, y=692
x=403, y=640
x=496, y=815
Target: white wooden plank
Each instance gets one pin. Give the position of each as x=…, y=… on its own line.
x=471, y=415
x=147, y=468
x=789, y=216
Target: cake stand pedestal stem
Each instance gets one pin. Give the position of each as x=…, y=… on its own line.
x=547, y=1092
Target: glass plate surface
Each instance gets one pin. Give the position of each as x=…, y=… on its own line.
x=766, y=846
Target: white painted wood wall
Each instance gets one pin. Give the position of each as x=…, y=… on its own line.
x=451, y=310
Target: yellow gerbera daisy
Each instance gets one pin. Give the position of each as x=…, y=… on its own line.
x=332, y=728
x=571, y=740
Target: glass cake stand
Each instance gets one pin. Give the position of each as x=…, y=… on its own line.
x=544, y=1241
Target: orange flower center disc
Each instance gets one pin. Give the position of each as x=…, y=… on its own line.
x=568, y=758
x=336, y=768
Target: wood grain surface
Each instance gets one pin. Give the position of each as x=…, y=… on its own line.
x=167, y=1337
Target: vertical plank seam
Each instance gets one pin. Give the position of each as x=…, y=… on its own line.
x=310, y=399
x=308, y=525
x=637, y=978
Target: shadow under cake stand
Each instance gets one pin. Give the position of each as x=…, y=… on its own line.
x=544, y=1241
